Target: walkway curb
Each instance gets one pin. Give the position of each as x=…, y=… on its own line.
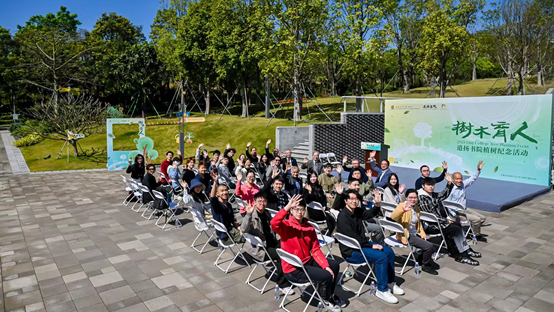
x=15, y=157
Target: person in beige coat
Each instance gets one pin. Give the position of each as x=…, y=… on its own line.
x=408, y=215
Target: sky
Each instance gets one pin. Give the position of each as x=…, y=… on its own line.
x=139, y=12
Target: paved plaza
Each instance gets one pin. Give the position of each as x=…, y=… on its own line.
x=68, y=243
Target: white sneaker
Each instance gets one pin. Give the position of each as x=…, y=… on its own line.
x=396, y=290
x=386, y=296
x=331, y=307
x=287, y=291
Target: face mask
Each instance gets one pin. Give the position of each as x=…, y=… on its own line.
x=175, y=163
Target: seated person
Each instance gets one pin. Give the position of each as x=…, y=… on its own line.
x=289, y=160
x=407, y=214
x=299, y=238
x=356, y=165
x=382, y=173
x=315, y=164
x=275, y=153
x=202, y=154
x=230, y=152
x=277, y=198
x=328, y=181
x=256, y=221
x=204, y=176
x=137, y=170
x=215, y=161
x=372, y=224
x=262, y=166
x=313, y=192
x=458, y=195
x=224, y=173
x=150, y=181
x=350, y=223
x=174, y=173
x=247, y=190
x=366, y=188
x=243, y=168
x=393, y=192
x=431, y=202
x=188, y=172
x=293, y=182
x=425, y=172
x=222, y=211
x=276, y=165
x=196, y=198
x=254, y=157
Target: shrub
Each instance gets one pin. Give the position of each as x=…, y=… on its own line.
x=28, y=140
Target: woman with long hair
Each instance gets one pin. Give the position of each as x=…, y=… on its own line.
x=262, y=165
x=394, y=192
x=137, y=169
x=313, y=192
x=188, y=172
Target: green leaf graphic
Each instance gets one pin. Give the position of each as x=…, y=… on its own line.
x=496, y=169
x=467, y=172
x=406, y=112
x=438, y=169
x=387, y=130
x=411, y=161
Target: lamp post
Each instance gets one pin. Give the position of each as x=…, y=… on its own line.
x=182, y=111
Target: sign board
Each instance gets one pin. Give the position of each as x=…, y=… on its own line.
x=369, y=146
x=15, y=116
x=75, y=136
x=511, y=134
x=118, y=160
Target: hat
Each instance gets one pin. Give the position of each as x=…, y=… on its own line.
x=196, y=182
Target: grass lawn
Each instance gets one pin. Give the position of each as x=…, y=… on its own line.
x=231, y=129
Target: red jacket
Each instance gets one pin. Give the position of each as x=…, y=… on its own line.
x=163, y=169
x=246, y=192
x=299, y=239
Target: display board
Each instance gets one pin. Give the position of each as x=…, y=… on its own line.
x=118, y=160
x=511, y=134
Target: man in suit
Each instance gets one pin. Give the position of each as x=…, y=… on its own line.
x=257, y=222
x=314, y=165
x=289, y=160
x=383, y=173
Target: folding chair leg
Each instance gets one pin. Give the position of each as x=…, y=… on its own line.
x=411, y=254
x=140, y=206
x=438, y=251
x=267, y=282
x=210, y=237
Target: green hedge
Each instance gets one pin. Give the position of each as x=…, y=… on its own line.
x=28, y=140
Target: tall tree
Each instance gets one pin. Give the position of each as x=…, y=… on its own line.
x=445, y=37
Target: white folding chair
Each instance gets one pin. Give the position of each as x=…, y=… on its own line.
x=323, y=158
x=460, y=210
x=324, y=240
x=316, y=206
x=240, y=203
x=202, y=227
x=257, y=242
x=272, y=212
x=354, y=244
x=295, y=261
x=129, y=191
x=170, y=213
x=391, y=241
x=145, y=190
x=221, y=228
x=303, y=175
x=387, y=208
x=431, y=218
x=333, y=159
x=137, y=193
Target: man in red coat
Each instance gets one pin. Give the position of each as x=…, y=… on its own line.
x=166, y=163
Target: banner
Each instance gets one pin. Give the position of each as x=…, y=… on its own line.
x=119, y=160
x=511, y=134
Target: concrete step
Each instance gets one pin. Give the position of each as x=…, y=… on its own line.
x=304, y=144
x=301, y=148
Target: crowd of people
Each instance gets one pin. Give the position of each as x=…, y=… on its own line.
x=272, y=180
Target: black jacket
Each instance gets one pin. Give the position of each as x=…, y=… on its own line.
x=150, y=182
x=188, y=175
x=318, y=196
x=293, y=161
x=231, y=164
x=437, y=179
x=274, y=198
x=351, y=225
x=136, y=171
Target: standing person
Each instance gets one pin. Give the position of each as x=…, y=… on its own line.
x=222, y=211
x=166, y=163
x=431, y=202
x=277, y=198
x=350, y=223
x=394, y=193
x=188, y=172
x=137, y=169
x=254, y=157
x=289, y=160
x=230, y=152
x=257, y=221
x=299, y=238
x=313, y=165
x=356, y=165
x=202, y=155
x=408, y=215
x=272, y=155
x=425, y=172
x=313, y=192
x=458, y=195
x=174, y=173
x=246, y=190
x=262, y=166
x=383, y=172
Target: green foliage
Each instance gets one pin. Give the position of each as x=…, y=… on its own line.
x=28, y=140
x=63, y=21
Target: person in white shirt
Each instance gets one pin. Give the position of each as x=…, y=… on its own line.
x=458, y=195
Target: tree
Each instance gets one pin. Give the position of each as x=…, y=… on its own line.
x=423, y=131
x=297, y=27
x=8, y=87
x=82, y=115
x=444, y=38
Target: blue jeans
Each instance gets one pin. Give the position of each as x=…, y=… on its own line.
x=384, y=264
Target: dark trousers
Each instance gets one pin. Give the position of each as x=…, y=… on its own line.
x=318, y=275
x=281, y=280
x=426, y=247
x=452, y=233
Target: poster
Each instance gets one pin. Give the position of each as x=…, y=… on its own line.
x=511, y=134
x=119, y=160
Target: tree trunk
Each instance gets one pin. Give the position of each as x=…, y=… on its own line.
x=442, y=80
x=244, y=102
x=297, y=98
x=474, y=74
x=357, y=93
x=539, y=76
x=207, y=100
x=74, y=144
